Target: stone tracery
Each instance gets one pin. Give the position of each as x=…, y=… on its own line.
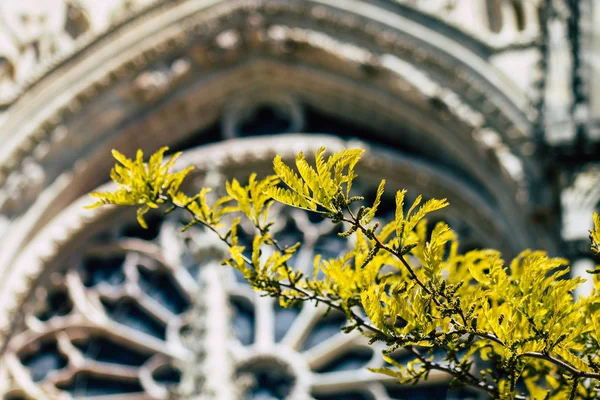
x=146, y=317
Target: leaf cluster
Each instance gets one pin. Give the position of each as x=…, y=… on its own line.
x=514, y=330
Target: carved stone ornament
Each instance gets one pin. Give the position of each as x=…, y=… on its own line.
x=35, y=34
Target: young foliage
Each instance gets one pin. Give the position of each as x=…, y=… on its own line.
x=512, y=330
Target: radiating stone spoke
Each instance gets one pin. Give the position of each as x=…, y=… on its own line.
x=173, y=260
x=335, y=382
x=143, y=341
x=218, y=364
x=188, y=285
x=67, y=348
x=154, y=308
x=242, y=290
x=123, y=396
x=303, y=324
x=70, y=322
x=110, y=370
x=330, y=348
x=377, y=391
x=81, y=301
x=142, y=247
x=265, y=321
x=106, y=370
x=20, y=374
x=238, y=350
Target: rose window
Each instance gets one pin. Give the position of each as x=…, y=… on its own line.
x=151, y=314
x=124, y=313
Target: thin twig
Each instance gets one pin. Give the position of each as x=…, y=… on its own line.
x=471, y=382
x=574, y=371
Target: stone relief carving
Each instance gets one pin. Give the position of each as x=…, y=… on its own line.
x=217, y=23
x=33, y=40
x=23, y=185
x=578, y=202
x=33, y=33
x=152, y=84
x=501, y=24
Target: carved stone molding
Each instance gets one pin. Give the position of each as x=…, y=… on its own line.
x=152, y=84
x=37, y=35
x=196, y=28
x=579, y=201
x=500, y=24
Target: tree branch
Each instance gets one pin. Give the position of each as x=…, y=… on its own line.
x=574, y=371
x=360, y=322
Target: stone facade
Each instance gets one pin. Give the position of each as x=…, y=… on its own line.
x=494, y=104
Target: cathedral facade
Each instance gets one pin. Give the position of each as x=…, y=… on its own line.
x=494, y=104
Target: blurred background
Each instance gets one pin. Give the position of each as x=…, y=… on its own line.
x=494, y=104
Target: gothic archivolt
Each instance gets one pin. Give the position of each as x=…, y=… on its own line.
x=186, y=42
x=208, y=23
x=38, y=35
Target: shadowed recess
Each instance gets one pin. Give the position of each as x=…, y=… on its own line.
x=398, y=392
x=266, y=120
x=348, y=361
x=330, y=246
x=266, y=378
x=47, y=358
x=345, y=396
x=160, y=287
x=288, y=236
x=167, y=375
x=103, y=269
x=105, y=350
x=324, y=329
x=15, y=396
x=135, y=230
x=85, y=384
x=58, y=304
x=243, y=320
x=128, y=313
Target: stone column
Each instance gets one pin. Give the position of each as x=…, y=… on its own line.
x=558, y=88
x=591, y=61
x=579, y=201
